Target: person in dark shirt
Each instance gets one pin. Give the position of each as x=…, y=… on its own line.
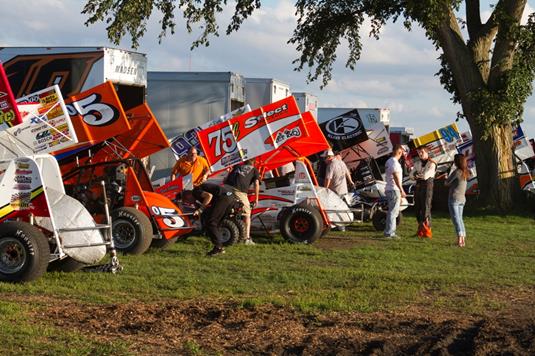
x=220, y=199
x=240, y=178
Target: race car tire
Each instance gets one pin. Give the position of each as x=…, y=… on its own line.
x=163, y=244
x=379, y=220
x=241, y=228
x=301, y=224
x=229, y=231
x=24, y=252
x=131, y=230
x=68, y=264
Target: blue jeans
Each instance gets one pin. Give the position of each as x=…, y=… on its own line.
x=393, y=198
x=456, y=213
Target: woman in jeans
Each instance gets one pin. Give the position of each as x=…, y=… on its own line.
x=456, y=199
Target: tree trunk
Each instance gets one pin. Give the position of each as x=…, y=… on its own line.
x=496, y=172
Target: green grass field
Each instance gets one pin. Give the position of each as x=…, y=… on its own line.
x=352, y=271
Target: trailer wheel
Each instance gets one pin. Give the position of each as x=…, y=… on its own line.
x=24, y=252
x=301, y=224
x=229, y=231
x=132, y=231
x=163, y=243
x=68, y=264
x=379, y=220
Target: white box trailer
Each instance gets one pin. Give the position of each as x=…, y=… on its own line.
x=75, y=69
x=184, y=100
x=369, y=117
x=307, y=102
x=263, y=91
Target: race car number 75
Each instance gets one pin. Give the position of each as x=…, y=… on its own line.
x=224, y=141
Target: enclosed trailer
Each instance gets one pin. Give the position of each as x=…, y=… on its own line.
x=184, y=100
x=307, y=102
x=76, y=69
x=263, y=91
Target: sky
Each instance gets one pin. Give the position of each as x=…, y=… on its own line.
x=394, y=72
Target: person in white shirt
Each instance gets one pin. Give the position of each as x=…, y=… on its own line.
x=423, y=173
x=394, y=190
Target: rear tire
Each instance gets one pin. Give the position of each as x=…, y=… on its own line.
x=301, y=224
x=241, y=228
x=379, y=220
x=24, y=252
x=230, y=232
x=132, y=231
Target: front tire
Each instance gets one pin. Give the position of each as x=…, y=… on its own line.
x=24, y=252
x=301, y=224
x=132, y=231
x=229, y=231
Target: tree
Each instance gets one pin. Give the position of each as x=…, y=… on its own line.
x=490, y=72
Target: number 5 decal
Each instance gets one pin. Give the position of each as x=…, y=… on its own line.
x=93, y=111
x=171, y=219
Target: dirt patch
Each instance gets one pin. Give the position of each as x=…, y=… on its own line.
x=225, y=327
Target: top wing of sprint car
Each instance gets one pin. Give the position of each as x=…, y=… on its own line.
x=112, y=141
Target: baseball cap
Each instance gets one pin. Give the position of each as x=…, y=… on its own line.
x=327, y=153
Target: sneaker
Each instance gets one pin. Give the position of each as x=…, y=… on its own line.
x=216, y=251
x=249, y=242
x=393, y=237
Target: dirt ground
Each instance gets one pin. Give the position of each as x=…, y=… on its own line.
x=212, y=327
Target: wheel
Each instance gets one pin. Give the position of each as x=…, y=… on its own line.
x=379, y=220
x=229, y=231
x=162, y=244
x=132, y=231
x=301, y=224
x=68, y=264
x=241, y=228
x=24, y=252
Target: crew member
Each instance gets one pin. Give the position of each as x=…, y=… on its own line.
x=220, y=198
x=240, y=178
x=193, y=164
x=423, y=173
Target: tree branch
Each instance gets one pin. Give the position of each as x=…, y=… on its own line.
x=509, y=13
x=473, y=18
x=459, y=59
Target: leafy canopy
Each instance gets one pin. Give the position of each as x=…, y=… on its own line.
x=500, y=53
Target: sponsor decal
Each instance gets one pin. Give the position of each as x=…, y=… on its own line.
x=285, y=135
x=345, y=130
x=21, y=201
x=23, y=179
x=23, y=171
x=20, y=186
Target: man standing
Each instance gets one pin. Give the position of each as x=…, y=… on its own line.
x=193, y=164
x=337, y=176
x=220, y=199
x=240, y=178
x=423, y=173
x=394, y=190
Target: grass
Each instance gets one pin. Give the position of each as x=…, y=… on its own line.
x=374, y=275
